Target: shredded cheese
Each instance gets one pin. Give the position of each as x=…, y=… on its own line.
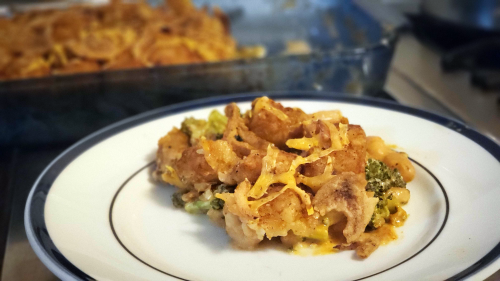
x=289, y=178
x=309, y=248
x=338, y=136
x=170, y=176
x=344, y=139
x=218, y=154
x=316, y=182
x=333, y=115
x=263, y=103
x=267, y=178
x=303, y=143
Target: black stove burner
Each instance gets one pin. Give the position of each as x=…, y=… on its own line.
x=481, y=58
x=464, y=48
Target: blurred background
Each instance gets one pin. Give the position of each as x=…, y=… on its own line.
x=69, y=68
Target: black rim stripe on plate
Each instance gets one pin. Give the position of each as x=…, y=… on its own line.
x=116, y=234
x=46, y=179
x=180, y=278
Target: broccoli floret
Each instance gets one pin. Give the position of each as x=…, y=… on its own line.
x=224, y=188
x=379, y=215
x=200, y=206
x=197, y=207
x=211, y=129
x=177, y=200
x=216, y=124
x=194, y=128
x=218, y=204
x=381, y=178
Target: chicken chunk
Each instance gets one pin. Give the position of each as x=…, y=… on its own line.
x=345, y=193
x=368, y=242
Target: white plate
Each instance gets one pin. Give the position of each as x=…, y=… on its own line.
x=95, y=212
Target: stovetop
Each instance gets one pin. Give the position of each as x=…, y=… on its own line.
x=417, y=79
x=19, y=260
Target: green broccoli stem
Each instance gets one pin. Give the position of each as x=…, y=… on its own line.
x=197, y=207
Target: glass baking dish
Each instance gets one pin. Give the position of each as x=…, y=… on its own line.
x=350, y=52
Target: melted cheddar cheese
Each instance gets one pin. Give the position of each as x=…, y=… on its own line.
x=171, y=177
x=263, y=103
